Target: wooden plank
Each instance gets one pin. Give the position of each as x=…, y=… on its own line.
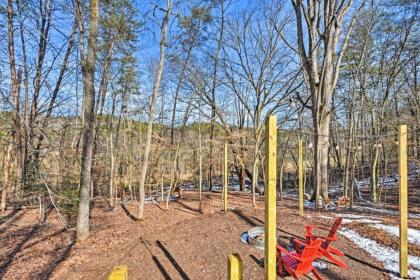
x=235, y=267
x=270, y=199
x=403, y=200
x=300, y=167
x=225, y=179
x=119, y=273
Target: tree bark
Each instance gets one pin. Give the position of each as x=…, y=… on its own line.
x=26, y=100
x=88, y=69
x=15, y=81
x=6, y=177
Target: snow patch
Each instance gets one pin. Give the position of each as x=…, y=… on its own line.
x=385, y=211
x=319, y=265
x=413, y=234
x=388, y=256
x=311, y=205
x=325, y=217
x=348, y=218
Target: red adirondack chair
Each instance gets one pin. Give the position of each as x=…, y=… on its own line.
x=326, y=250
x=299, y=262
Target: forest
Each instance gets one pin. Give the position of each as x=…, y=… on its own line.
x=127, y=127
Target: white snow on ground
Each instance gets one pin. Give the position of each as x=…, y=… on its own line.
x=326, y=217
x=413, y=234
x=311, y=205
x=348, y=218
x=319, y=265
x=385, y=211
x=388, y=256
x=388, y=182
x=365, y=221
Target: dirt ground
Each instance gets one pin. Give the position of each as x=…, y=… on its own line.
x=181, y=243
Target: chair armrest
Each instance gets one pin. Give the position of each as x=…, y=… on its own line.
x=281, y=249
x=300, y=242
x=334, y=238
x=311, y=226
x=293, y=256
x=324, y=228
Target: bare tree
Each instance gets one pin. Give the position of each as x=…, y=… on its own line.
x=156, y=84
x=256, y=72
x=88, y=69
x=322, y=22
x=15, y=81
x=6, y=176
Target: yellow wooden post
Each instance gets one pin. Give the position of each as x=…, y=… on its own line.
x=235, y=267
x=403, y=200
x=225, y=179
x=270, y=198
x=222, y=191
x=300, y=167
x=119, y=273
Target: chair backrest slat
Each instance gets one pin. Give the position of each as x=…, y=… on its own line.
x=335, y=226
x=308, y=255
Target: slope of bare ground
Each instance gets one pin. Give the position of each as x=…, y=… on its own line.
x=29, y=250
x=180, y=243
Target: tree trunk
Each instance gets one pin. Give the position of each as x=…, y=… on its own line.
x=112, y=170
x=241, y=178
x=200, y=158
x=374, y=172
x=213, y=92
x=44, y=28
x=281, y=180
x=26, y=100
x=88, y=68
x=321, y=147
x=6, y=177
x=164, y=31
x=321, y=64
x=255, y=175
x=15, y=81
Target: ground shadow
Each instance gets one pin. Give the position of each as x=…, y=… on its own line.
x=279, y=229
x=10, y=257
x=370, y=265
x=46, y=274
x=158, y=206
x=9, y=216
x=186, y=211
x=187, y=206
x=127, y=212
x=244, y=217
x=259, y=262
x=172, y=260
x=46, y=237
x=159, y=265
x=161, y=268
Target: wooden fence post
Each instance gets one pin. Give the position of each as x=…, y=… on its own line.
x=403, y=200
x=235, y=267
x=270, y=199
x=119, y=273
x=300, y=167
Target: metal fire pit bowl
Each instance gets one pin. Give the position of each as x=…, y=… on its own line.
x=256, y=237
